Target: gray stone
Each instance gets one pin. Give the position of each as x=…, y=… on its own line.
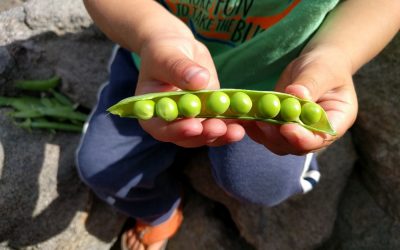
x=302, y=222
x=5, y=60
x=6, y=63
x=38, y=16
x=206, y=225
x=376, y=130
x=80, y=59
x=59, y=41
x=13, y=27
x=82, y=64
x=362, y=223
x=43, y=203
x=8, y=4
x=70, y=16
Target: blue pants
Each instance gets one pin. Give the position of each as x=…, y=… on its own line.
x=129, y=169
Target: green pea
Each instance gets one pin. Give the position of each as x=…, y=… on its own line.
x=189, y=105
x=143, y=109
x=218, y=102
x=241, y=103
x=167, y=109
x=290, y=109
x=269, y=106
x=310, y=113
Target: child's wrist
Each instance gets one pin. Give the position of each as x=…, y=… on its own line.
x=331, y=53
x=184, y=33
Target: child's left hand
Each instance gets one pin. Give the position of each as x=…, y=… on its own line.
x=323, y=76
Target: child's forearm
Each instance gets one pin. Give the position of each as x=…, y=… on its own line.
x=131, y=23
x=360, y=29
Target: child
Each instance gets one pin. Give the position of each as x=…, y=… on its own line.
x=290, y=46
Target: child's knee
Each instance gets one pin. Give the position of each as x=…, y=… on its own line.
x=258, y=187
x=89, y=167
x=123, y=169
x=251, y=173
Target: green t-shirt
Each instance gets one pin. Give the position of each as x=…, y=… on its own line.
x=251, y=41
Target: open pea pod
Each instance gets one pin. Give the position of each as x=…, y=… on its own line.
x=268, y=106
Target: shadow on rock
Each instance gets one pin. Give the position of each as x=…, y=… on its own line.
x=43, y=203
x=41, y=193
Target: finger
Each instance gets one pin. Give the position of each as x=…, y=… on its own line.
x=153, y=86
x=172, y=131
x=185, y=73
x=302, y=140
x=177, y=67
x=308, y=81
x=212, y=130
x=204, y=58
x=235, y=132
x=228, y=133
x=273, y=140
x=285, y=78
x=341, y=107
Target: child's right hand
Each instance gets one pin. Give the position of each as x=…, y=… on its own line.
x=172, y=63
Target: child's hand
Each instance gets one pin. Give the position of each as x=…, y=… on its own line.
x=323, y=76
x=173, y=63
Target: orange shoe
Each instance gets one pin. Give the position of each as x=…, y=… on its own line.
x=141, y=236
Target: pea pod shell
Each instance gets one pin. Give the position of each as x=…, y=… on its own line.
x=28, y=124
x=38, y=85
x=124, y=107
x=62, y=99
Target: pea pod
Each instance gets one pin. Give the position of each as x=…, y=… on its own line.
x=26, y=114
x=62, y=113
x=38, y=85
x=268, y=106
x=42, y=124
x=20, y=103
x=62, y=99
x=46, y=102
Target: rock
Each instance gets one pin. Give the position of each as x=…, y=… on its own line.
x=303, y=222
x=70, y=16
x=58, y=41
x=206, y=225
x=82, y=64
x=30, y=19
x=79, y=59
x=8, y=4
x=43, y=203
x=376, y=130
x=5, y=60
x=362, y=223
x=12, y=26
x=6, y=63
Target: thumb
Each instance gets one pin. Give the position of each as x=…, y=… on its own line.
x=186, y=74
x=308, y=82
x=176, y=68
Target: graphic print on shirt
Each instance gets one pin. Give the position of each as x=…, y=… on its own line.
x=230, y=22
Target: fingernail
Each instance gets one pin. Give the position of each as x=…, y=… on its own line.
x=305, y=92
x=193, y=71
x=299, y=90
x=265, y=127
x=191, y=133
